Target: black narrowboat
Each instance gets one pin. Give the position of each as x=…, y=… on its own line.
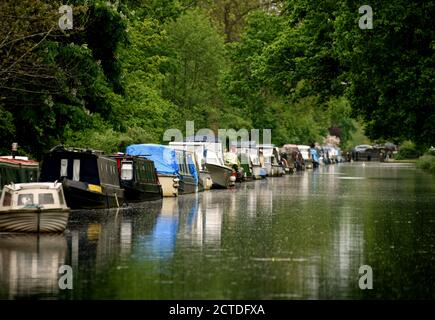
x=138, y=178
x=90, y=180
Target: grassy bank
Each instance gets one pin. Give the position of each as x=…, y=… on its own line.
x=426, y=162
x=402, y=161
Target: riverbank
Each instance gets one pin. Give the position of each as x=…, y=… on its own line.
x=426, y=162
x=402, y=161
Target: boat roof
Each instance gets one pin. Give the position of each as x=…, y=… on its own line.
x=203, y=138
x=290, y=146
x=33, y=185
x=18, y=161
x=266, y=146
x=244, y=144
x=61, y=148
x=186, y=143
x=164, y=157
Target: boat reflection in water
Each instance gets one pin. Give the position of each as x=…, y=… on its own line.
x=159, y=244
x=201, y=220
x=29, y=265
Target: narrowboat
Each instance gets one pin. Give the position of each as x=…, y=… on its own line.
x=221, y=175
x=290, y=152
x=17, y=170
x=165, y=161
x=138, y=178
x=33, y=207
x=90, y=180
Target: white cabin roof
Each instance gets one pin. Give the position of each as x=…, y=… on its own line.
x=35, y=185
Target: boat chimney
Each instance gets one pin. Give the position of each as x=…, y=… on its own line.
x=14, y=149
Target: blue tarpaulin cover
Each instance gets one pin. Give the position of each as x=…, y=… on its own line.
x=164, y=157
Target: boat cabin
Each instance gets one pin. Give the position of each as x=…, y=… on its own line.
x=90, y=179
x=27, y=195
x=138, y=178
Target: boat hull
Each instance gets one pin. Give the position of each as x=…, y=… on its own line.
x=33, y=220
x=277, y=170
x=169, y=187
x=221, y=176
x=259, y=173
x=78, y=196
x=187, y=184
x=269, y=169
x=141, y=191
x=205, y=181
x=308, y=164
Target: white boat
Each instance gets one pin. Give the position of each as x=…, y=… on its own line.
x=221, y=175
x=268, y=160
x=197, y=150
x=306, y=155
x=33, y=207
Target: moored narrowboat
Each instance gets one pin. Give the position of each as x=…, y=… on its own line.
x=138, y=178
x=17, y=170
x=90, y=180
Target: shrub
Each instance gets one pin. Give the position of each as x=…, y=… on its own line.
x=407, y=151
x=427, y=162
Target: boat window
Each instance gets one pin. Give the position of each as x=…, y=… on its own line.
x=61, y=199
x=180, y=163
x=127, y=171
x=7, y=199
x=76, y=170
x=189, y=163
x=140, y=172
x=186, y=162
x=45, y=198
x=25, y=199
x=64, y=167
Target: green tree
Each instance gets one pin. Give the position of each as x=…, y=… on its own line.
x=196, y=59
x=391, y=74
x=230, y=16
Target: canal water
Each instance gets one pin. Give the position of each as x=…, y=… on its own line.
x=303, y=236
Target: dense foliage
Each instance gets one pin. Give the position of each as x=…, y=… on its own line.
x=130, y=69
